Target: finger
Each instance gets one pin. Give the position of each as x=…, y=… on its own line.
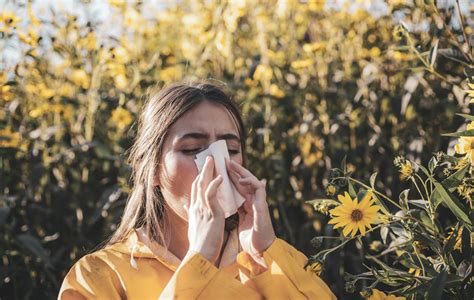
x=252, y=181
x=234, y=176
x=194, y=191
x=208, y=170
x=235, y=179
x=240, y=169
x=206, y=177
x=261, y=195
x=211, y=194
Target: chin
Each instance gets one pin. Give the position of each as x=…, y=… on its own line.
x=231, y=222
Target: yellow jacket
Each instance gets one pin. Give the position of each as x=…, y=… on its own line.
x=130, y=270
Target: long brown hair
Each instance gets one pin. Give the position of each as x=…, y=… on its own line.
x=145, y=205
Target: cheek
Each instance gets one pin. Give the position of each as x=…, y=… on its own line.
x=178, y=175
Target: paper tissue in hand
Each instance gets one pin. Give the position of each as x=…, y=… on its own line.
x=227, y=195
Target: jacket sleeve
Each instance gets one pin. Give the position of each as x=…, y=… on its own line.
x=190, y=279
x=285, y=276
x=91, y=278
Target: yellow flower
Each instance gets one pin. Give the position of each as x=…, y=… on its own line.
x=120, y=81
x=30, y=38
x=298, y=64
x=314, y=47
x=470, y=92
x=118, y=3
x=461, y=163
x=263, y=72
x=120, y=55
x=121, y=118
x=316, y=268
x=170, y=74
x=458, y=242
x=406, y=171
x=316, y=5
x=8, y=20
x=375, y=245
x=353, y=215
x=6, y=93
x=276, y=91
x=250, y=82
x=222, y=42
x=66, y=89
x=405, y=168
x=9, y=139
x=310, y=148
x=379, y=295
x=330, y=190
x=89, y=42
x=80, y=78
x=384, y=219
x=133, y=19
x=47, y=108
x=466, y=144
x=374, y=52
x=465, y=191
x=414, y=271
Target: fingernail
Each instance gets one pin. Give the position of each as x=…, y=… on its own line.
x=208, y=158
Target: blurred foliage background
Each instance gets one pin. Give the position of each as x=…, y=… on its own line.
x=316, y=81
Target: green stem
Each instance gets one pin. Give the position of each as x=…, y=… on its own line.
x=370, y=188
x=419, y=259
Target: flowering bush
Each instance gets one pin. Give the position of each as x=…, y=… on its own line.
x=419, y=244
x=314, y=80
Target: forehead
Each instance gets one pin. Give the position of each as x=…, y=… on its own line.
x=205, y=117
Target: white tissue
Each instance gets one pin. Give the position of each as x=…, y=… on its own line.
x=227, y=195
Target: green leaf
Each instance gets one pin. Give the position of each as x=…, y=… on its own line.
x=432, y=164
x=33, y=245
x=381, y=204
x=352, y=191
x=460, y=133
x=453, y=181
x=466, y=243
x=384, y=233
x=435, y=292
x=315, y=202
x=403, y=198
x=4, y=212
x=441, y=195
x=372, y=180
x=434, y=53
x=344, y=164
x=427, y=173
x=466, y=116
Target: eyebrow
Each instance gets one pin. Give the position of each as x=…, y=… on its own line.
x=199, y=136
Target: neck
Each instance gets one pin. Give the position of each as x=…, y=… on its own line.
x=177, y=234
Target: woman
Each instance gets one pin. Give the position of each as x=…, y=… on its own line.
x=174, y=241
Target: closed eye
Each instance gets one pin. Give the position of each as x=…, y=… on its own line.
x=191, y=151
x=233, y=152
x=197, y=150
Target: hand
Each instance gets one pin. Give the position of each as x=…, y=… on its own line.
x=256, y=232
x=205, y=215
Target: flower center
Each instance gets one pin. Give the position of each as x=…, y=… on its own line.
x=356, y=215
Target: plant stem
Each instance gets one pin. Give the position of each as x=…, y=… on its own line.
x=370, y=188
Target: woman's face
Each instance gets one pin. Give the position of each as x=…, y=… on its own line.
x=204, y=124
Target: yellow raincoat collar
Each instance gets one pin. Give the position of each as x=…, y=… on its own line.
x=137, y=249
